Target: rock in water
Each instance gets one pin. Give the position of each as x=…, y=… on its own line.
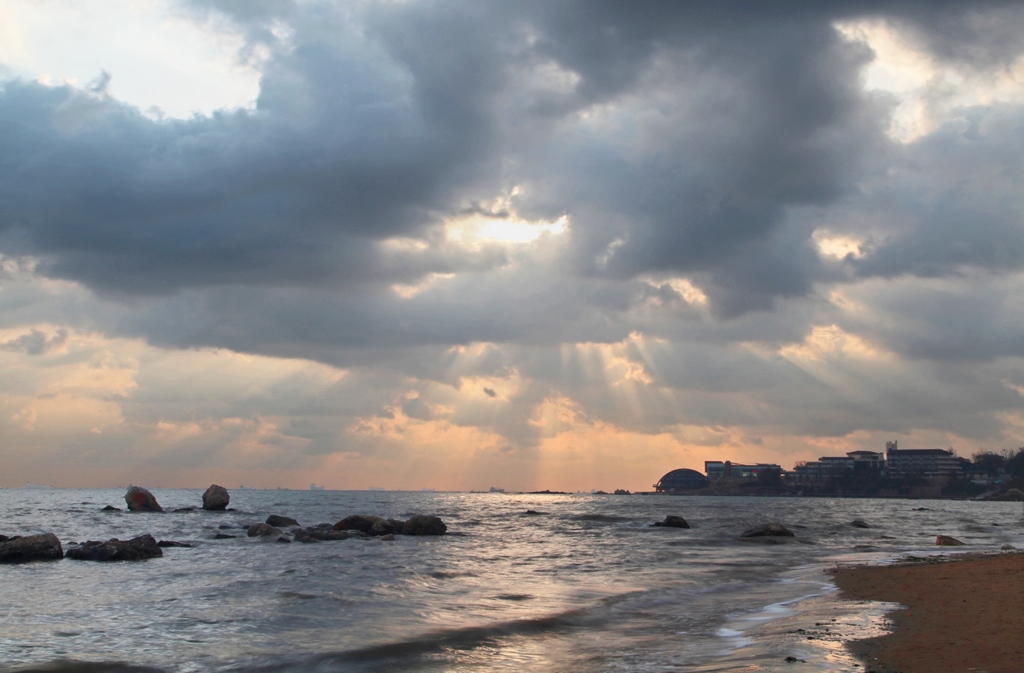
x=672, y=521
x=281, y=521
x=141, y=500
x=216, y=498
x=263, y=530
x=768, y=530
x=137, y=549
x=110, y=508
x=45, y=547
x=424, y=525
x=859, y=523
x=359, y=522
x=326, y=535
x=948, y=541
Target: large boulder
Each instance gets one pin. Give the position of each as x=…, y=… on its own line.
x=281, y=521
x=948, y=541
x=137, y=549
x=216, y=498
x=45, y=547
x=141, y=500
x=263, y=530
x=1011, y=495
x=365, y=524
x=422, y=524
x=672, y=521
x=768, y=530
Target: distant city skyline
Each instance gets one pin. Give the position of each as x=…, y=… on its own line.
x=529, y=245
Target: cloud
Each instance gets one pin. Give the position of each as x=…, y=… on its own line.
x=513, y=224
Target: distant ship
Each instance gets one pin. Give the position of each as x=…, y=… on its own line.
x=429, y=490
x=495, y=489
x=246, y=488
x=314, y=487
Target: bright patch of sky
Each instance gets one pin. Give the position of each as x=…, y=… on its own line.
x=159, y=60
x=929, y=93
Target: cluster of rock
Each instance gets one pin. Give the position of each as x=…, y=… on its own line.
x=47, y=547
x=215, y=498
x=356, y=525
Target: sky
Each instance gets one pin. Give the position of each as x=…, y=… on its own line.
x=536, y=245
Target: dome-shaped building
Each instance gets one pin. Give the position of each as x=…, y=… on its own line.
x=683, y=479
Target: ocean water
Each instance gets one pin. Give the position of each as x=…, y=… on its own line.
x=587, y=585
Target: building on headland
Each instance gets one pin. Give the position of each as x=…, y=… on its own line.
x=927, y=463
x=682, y=479
x=831, y=466
x=718, y=469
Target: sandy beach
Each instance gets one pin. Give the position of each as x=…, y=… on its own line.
x=962, y=614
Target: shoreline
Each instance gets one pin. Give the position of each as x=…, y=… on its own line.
x=954, y=614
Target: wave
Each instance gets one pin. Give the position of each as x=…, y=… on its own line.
x=69, y=666
x=462, y=639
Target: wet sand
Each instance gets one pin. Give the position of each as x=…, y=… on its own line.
x=962, y=614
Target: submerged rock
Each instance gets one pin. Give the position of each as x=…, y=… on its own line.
x=216, y=498
x=281, y=521
x=388, y=538
x=110, y=508
x=948, y=541
x=137, y=549
x=45, y=547
x=263, y=530
x=859, y=523
x=222, y=536
x=173, y=543
x=326, y=535
x=768, y=530
x=141, y=500
x=672, y=521
x=424, y=525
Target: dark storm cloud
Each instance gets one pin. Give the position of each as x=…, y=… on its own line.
x=679, y=138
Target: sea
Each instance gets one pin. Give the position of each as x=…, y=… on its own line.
x=573, y=583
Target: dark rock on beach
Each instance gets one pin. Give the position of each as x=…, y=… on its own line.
x=281, y=521
x=111, y=508
x=672, y=521
x=263, y=530
x=137, y=549
x=141, y=500
x=424, y=525
x=45, y=547
x=216, y=498
x=948, y=541
x=768, y=530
